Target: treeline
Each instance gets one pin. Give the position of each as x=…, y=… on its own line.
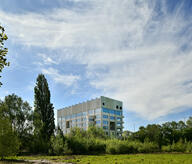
x=168, y=137
x=23, y=130
x=27, y=131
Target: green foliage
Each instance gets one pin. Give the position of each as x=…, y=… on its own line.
x=96, y=146
x=180, y=146
x=96, y=132
x=127, y=135
x=43, y=114
x=9, y=143
x=79, y=141
x=164, y=134
x=3, y=51
x=116, y=146
x=20, y=114
x=189, y=147
x=189, y=122
x=59, y=145
x=148, y=147
x=152, y=133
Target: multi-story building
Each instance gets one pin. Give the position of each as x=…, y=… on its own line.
x=102, y=112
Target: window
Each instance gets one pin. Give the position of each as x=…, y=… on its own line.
x=112, y=118
x=79, y=125
x=91, y=112
x=120, y=107
x=91, y=119
x=98, y=116
x=105, y=122
x=68, y=117
x=98, y=122
x=118, y=118
x=118, y=130
x=118, y=113
x=67, y=124
x=105, y=127
x=118, y=124
x=105, y=110
x=84, y=113
x=105, y=116
x=112, y=125
x=117, y=107
x=74, y=115
x=112, y=111
x=83, y=119
x=73, y=121
x=98, y=110
x=103, y=103
x=79, y=114
x=73, y=125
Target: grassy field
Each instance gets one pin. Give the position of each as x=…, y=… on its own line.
x=115, y=159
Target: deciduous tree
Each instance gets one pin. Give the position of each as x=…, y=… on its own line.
x=3, y=50
x=20, y=115
x=9, y=143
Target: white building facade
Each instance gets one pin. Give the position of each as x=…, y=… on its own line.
x=103, y=112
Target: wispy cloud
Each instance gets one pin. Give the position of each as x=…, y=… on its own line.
x=46, y=59
x=67, y=80
x=133, y=50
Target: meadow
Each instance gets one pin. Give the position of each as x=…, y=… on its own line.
x=171, y=158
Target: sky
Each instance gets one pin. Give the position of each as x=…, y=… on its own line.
x=139, y=52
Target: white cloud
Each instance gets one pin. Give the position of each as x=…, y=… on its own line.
x=67, y=80
x=131, y=52
x=46, y=59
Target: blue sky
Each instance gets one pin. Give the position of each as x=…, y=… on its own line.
x=136, y=51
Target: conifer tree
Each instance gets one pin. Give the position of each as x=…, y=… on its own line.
x=44, y=110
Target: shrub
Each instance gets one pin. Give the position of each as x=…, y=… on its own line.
x=178, y=147
x=57, y=145
x=148, y=147
x=115, y=146
x=77, y=145
x=166, y=148
x=189, y=147
x=96, y=146
x=111, y=146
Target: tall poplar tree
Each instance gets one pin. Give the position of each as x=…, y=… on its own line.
x=44, y=110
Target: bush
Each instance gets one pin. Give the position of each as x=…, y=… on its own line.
x=180, y=146
x=166, y=148
x=189, y=147
x=148, y=147
x=96, y=146
x=125, y=147
x=57, y=145
x=77, y=145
